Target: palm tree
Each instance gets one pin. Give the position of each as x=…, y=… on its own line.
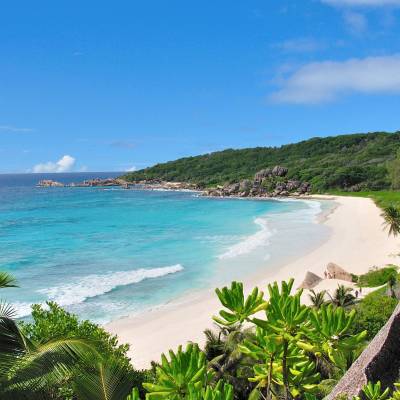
x=31, y=370
x=392, y=284
x=342, y=296
x=7, y=280
x=317, y=299
x=225, y=358
x=391, y=216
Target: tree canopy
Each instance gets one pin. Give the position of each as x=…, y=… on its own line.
x=352, y=162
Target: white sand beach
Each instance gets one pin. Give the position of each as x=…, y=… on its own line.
x=357, y=243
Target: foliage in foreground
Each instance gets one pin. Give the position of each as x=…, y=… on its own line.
x=294, y=347
x=275, y=349
x=55, y=366
x=53, y=322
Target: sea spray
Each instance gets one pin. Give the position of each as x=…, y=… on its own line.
x=94, y=285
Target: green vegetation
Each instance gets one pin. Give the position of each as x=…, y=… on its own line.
x=292, y=351
x=373, y=312
x=382, y=198
x=357, y=162
x=53, y=322
x=43, y=361
x=275, y=349
x=378, y=277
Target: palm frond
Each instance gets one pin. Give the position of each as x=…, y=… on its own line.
x=45, y=365
x=108, y=380
x=391, y=216
x=7, y=280
x=13, y=342
x=7, y=311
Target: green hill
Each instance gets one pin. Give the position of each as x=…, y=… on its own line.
x=350, y=162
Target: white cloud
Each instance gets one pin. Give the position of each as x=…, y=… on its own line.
x=14, y=129
x=356, y=22
x=362, y=2
x=324, y=81
x=131, y=169
x=299, y=45
x=64, y=164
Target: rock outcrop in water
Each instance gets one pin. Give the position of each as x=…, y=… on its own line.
x=49, y=183
x=269, y=182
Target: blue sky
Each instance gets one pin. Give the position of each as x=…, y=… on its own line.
x=112, y=86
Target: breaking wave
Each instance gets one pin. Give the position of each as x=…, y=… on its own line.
x=250, y=243
x=96, y=285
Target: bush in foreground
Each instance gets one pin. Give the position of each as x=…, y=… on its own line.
x=378, y=277
x=373, y=312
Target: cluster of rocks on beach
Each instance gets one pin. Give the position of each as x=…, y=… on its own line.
x=269, y=182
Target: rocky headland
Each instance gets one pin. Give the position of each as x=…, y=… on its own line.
x=85, y=183
x=269, y=182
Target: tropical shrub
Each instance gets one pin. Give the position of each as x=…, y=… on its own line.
x=377, y=277
x=373, y=312
x=292, y=341
x=185, y=373
x=53, y=322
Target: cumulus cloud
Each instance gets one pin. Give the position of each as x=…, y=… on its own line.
x=131, y=169
x=64, y=164
x=324, y=81
x=362, y=2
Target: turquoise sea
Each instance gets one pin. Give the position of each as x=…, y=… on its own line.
x=104, y=253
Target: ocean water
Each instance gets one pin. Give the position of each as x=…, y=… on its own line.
x=104, y=253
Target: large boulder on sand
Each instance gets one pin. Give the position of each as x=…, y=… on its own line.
x=279, y=171
x=338, y=272
x=292, y=185
x=304, y=187
x=245, y=185
x=310, y=281
x=230, y=189
x=264, y=173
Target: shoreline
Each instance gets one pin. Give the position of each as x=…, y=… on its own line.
x=356, y=242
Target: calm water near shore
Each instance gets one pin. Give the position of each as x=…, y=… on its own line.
x=108, y=252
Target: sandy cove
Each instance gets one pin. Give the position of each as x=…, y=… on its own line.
x=357, y=242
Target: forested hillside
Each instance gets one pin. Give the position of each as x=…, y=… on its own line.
x=352, y=162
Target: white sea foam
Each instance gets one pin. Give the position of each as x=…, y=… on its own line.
x=95, y=285
x=261, y=238
x=312, y=213
x=220, y=239
x=250, y=243
x=22, y=309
